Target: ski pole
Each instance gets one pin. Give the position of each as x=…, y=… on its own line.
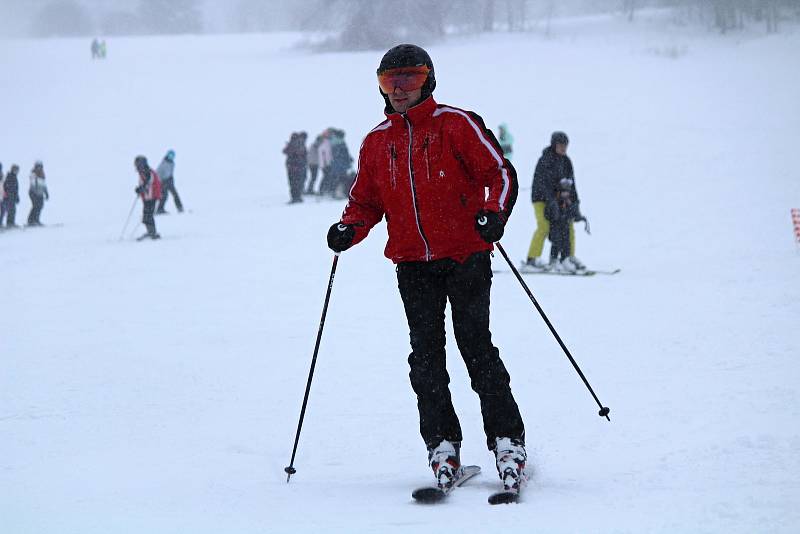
x=290, y=470
x=122, y=234
x=604, y=410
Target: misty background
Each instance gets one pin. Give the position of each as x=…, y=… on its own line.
x=364, y=24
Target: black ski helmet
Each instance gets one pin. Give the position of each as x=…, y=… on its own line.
x=559, y=138
x=408, y=55
x=141, y=163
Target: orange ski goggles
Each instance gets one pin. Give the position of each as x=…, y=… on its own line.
x=407, y=79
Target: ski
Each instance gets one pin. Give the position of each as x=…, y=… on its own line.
x=434, y=494
x=588, y=272
x=510, y=493
x=42, y=225
x=506, y=496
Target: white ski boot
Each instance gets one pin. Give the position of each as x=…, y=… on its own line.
x=511, y=458
x=445, y=460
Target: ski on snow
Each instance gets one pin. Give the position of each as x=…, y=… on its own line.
x=506, y=496
x=588, y=272
x=433, y=494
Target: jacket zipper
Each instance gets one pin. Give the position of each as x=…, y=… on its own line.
x=427, y=158
x=414, y=189
x=392, y=165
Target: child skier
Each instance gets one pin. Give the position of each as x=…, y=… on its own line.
x=149, y=189
x=560, y=212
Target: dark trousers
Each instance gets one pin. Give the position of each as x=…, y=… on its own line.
x=37, y=203
x=10, y=210
x=559, y=238
x=167, y=187
x=297, y=178
x=149, y=206
x=314, y=169
x=425, y=288
x=325, y=184
x=3, y=210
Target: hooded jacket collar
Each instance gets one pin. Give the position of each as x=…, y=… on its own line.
x=415, y=114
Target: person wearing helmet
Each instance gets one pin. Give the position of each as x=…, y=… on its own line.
x=149, y=188
x=38, y=194
x=553, y=165
x=10, y=194
x=427, y=169
x=296, y=165
x=506, y=141
x=166, y=173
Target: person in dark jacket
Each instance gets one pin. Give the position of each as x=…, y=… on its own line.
x=427, y=169
x=553, y=165
x=11, y=197
x=340, y=177
x=296, y=165
x=149, y=188
x=38, y=194
x=166, y=173
x=506, y=141
x=313, y=165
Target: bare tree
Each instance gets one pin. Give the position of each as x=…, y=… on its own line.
x=629, y=8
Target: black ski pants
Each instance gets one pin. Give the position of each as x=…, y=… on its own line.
x=425, y=288
x=559, y=238
x=167, y=187
x=37, y=203
x=148, y=208
x=297, y=177
x=11, y=212
x=313, y=179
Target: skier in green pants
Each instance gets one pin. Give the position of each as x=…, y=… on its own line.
x=551, y=167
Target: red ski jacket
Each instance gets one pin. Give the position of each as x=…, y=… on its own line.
x=152, y=187
x=428, y=172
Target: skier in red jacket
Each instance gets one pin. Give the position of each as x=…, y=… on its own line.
x=427, y=168
x=149, y=189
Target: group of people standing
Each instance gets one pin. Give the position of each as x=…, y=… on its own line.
x=98, y=49
x=9, y=187
x=328, y=153
x=154, y=187
x=556, y=207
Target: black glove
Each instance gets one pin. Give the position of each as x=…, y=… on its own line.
x=490, y=225
x=139, y=190
x=340, y=236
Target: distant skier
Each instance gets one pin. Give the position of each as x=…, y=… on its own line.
x=313, y=164
x=10, y=197
x=2, y=196
x=426, y=169
x=342, y=161
x=149, y=188
x=296, y=165
x=553, y=165
x=325, y=153
x=95, y=48
x=166, y=173
x=38, y=193
x=506, y=141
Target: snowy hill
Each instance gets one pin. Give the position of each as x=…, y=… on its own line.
x=155, y=387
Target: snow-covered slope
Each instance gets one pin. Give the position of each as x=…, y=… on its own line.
x=155, y=387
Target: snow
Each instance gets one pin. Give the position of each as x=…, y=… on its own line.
x=155, y=387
